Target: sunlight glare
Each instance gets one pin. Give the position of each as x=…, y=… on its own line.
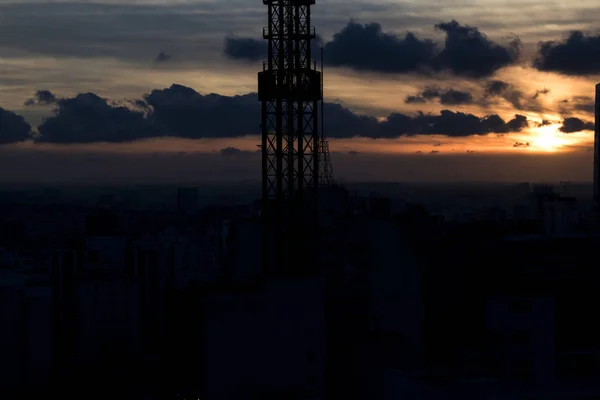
x=548, y=138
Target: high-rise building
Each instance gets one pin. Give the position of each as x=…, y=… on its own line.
x=597, y=149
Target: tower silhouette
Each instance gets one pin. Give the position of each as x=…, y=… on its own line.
x=289, y=87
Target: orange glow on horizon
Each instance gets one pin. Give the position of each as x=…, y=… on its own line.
x=538, y=140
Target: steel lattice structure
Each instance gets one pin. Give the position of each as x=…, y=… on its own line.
x=326, y=172
x=289, y=88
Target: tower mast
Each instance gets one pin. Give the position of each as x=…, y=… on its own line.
x=326, y=169
x=289, y=88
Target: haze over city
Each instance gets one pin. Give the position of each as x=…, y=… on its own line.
x=299, y=199
x=165, y=90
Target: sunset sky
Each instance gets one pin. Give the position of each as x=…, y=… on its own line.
x=414, y=89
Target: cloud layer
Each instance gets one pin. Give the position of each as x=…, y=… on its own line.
x=179, y=111
x=365, y=47
x=182, y=112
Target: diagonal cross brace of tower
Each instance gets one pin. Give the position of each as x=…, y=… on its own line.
x=289, y=88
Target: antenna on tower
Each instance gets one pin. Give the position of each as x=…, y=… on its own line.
x=325, y=167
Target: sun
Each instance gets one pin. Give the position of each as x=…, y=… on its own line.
x=548, y=138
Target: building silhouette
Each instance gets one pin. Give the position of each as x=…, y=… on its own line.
x=597, y=146
x=314, y=291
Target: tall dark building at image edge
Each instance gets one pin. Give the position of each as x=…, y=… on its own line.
x=597, y=149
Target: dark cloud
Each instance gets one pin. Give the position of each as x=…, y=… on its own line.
x=517, y=124
x=541, y=92
x=449, y=123
x=572, y=125
x=230, y=151
x=578, y=54
x=141, y=105
x=578, y=103
x=455, y=97
x=365, y=47
x=353, y=153
x=162, y=57
x=13, y=127
x=234, y=151
x=585, y=104
x=496, y=88
x=585, y=107
x=412, y=99
x=177, y=111
x=469, y=52
x=253, y=50
x=521, y=144
x=182, y=112
x=514, y=96
x=517, y=99
x=247, y=49
x=544, y=122
x=89, y=118
x=42, y=97
x=445, y=96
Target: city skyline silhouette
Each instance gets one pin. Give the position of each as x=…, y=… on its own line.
x=299, y=199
